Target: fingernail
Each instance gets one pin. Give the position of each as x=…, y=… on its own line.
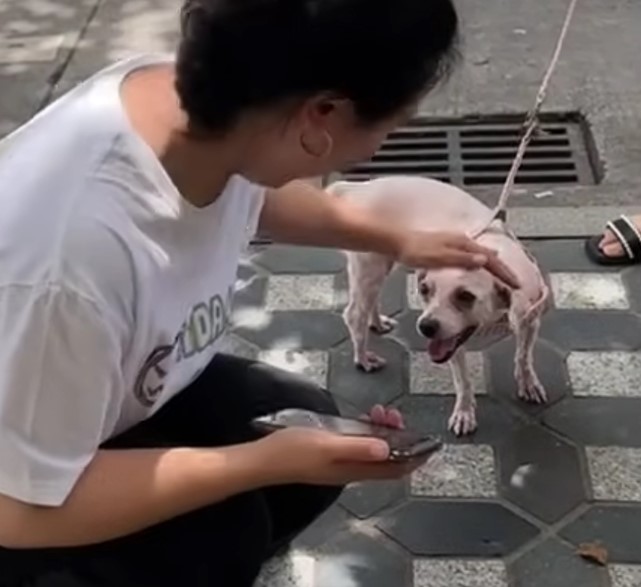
x=380, y=451
x=480, y=259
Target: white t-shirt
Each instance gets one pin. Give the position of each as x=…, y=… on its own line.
x=114, y=290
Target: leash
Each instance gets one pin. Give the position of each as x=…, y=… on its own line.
x=531, y=126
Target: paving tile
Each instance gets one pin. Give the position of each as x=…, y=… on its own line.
x=531, y=462
x=36, y=39
x=311, y=364
x=615, y=473
x=407, y=333
x=459, y=573
x=455, y=529
x=392, y=299
x=119, y=30
x=589, y=291
x=246, y=269
x=300, y=292
x=592, y=330
x=616, y=527
x=334, y=521
x=303, y=330
x=346, y=408
x=366, y=389
x=414, y=300
x=250, y=290
x=430, y=415
x=23, y=90
x=565, y=255
x=285, y=259
x=366, y=499
x=605, y=374
x=632, y=279
x=20, y=49
x=550, y=367
x=457, y=471
x=361, y=557
x=625, y=575
x=250, y=317
x=554, y=564
x=294, y=569
x=597, y=421
x=234, y=345
x=427, y=377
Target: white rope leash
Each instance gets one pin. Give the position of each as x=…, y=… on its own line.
x=531, y=124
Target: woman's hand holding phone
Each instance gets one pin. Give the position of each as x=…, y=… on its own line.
x=318, y=457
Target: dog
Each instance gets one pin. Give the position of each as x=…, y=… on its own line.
x=459, y=307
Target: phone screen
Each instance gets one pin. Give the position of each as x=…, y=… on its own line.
x=403, y=443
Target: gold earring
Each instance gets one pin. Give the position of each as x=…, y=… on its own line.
x=316, y=150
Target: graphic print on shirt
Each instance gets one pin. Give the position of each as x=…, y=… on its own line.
x=206, y=324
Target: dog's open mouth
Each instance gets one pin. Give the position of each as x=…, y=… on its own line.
x=441, y=350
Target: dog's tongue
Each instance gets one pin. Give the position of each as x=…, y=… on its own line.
x=440, y=349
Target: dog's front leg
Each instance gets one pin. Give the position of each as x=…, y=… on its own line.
x=526, y=333
x=463, y=418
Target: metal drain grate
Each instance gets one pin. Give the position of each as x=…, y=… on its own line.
x=481, y=153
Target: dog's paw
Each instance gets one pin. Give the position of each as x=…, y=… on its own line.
x=463, y=420
x=532, y=391
x=371, y=362
x=384, y=325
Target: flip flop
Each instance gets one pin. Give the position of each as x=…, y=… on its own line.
x=628, y=235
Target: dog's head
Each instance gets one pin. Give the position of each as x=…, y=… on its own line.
x=456, y=303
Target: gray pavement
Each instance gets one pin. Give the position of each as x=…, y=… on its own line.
x=47, y=46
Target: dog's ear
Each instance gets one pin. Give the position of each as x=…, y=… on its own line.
x=503, y=296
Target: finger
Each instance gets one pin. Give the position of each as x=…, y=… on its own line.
x=499, y=269
x=378, y=415
x=357, y=449
x=492, y=263
x=394, y=419
x=468, y=244
x=460, y=258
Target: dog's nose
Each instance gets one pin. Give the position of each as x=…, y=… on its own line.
x=429, y=328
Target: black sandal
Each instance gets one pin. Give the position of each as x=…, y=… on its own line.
x=628, y=235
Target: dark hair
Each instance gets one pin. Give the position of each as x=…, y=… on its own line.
x=236, y=55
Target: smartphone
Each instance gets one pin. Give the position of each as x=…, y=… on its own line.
x=404, y=444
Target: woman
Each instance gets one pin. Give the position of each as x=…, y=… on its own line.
x=127, y=457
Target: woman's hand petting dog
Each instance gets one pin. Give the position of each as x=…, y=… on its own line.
x=317, y=457
x=429, y=250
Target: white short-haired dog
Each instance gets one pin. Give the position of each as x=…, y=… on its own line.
x=458, y=304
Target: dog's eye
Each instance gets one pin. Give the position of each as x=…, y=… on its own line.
x=423, y=289
x=465, y=297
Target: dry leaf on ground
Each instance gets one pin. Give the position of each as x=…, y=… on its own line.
x=593, y=551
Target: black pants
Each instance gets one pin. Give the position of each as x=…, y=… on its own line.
x=223, y=545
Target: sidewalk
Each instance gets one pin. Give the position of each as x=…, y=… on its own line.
x=510, y=505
